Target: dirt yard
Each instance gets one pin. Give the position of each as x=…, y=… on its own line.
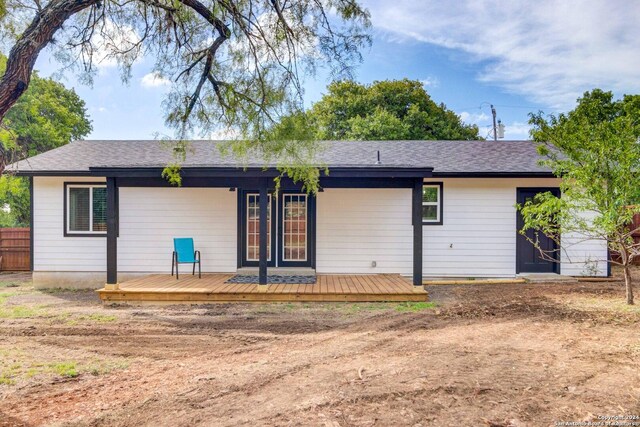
x=493, y=355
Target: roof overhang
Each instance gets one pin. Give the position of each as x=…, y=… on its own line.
x=253, y=172
x=233, y=172
x=23, y=172
x=524, y=174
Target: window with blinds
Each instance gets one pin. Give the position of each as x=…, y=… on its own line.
x=86, y=209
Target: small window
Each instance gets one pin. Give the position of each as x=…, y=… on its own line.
x=432, y=203
x=86, y=209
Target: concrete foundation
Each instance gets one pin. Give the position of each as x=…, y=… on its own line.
x=76, y=279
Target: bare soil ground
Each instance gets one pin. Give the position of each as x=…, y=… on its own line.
x=495, y=355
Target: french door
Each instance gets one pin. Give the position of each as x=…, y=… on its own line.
x=290, y=228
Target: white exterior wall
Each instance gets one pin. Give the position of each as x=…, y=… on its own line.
x=478, y=236
x=358, y=226
x=151, y=217
x=52, y=252
x=354, y=228
x=583, y=257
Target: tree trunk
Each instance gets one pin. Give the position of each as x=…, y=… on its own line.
x=24, y=53
x=628, y=284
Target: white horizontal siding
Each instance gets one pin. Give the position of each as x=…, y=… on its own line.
x=52, y=251
x=583, y=257
x=151, y=217
x=354, y=228
x=358, y=226
x=478, y=234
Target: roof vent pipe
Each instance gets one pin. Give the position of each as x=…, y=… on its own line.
x=378, y=162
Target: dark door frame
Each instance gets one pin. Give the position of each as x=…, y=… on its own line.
x=519, y=223
x=276, y=230
x=242, y=230
x=311, y=231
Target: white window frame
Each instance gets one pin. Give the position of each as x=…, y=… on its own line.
x=438, y=203
x=67, y=207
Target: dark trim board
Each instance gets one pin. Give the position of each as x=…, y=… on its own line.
x=555, y=265
x=285, y=183
x=493, y=175
x=261, y=172
x=253, y=172
x=52, y=173
x=276, y=230
x=311, y=237
x=416, y=208
x=112, y=232
x=242, y=225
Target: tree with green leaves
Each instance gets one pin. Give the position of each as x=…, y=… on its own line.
x=595, y=149
x=46, y=116
x=384, y=110
x=236, y=65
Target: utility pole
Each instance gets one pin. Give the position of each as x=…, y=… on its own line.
x=495, y=129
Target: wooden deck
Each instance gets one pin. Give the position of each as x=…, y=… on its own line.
x=163, y=288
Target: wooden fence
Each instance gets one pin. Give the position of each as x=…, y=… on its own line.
x=635, y=225
x=15, y=249
x=636, y=234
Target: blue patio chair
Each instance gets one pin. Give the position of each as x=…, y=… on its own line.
x=185, y=254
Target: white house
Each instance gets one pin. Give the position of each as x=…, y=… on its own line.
x=101, y=212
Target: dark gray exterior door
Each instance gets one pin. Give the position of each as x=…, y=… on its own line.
x=528, y=257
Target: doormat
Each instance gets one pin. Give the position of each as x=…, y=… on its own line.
x=274, y=279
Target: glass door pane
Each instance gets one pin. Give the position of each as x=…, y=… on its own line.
x=253, y=227
x=294, y=227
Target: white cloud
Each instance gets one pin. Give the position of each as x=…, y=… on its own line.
x=548, y=51
x=430, y=81
x=513, y=130
x=516, y=130
x=114, y=38
x=153, y=80
x=479, y=118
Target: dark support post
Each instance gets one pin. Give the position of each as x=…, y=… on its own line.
x=264, y=198
x=417, y=231
x=112, y=235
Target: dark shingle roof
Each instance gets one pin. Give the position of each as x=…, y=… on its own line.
x=445, y=157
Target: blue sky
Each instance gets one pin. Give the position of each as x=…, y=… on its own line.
x=521, y=56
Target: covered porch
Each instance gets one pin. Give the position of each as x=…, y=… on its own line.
x=211, y=288
x=262, y=235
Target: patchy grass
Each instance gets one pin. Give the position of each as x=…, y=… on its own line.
x=364, y=307
x=73, y=319
x=21, y=312
x=65, y=369
x=611, y=305
x=4, y=296
x=9, y=284
x=104, y=367
x=98, y=318
x=28, y=368
x=382, y=306
x=415, y=306
x=54, y=291
x=5, y=379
